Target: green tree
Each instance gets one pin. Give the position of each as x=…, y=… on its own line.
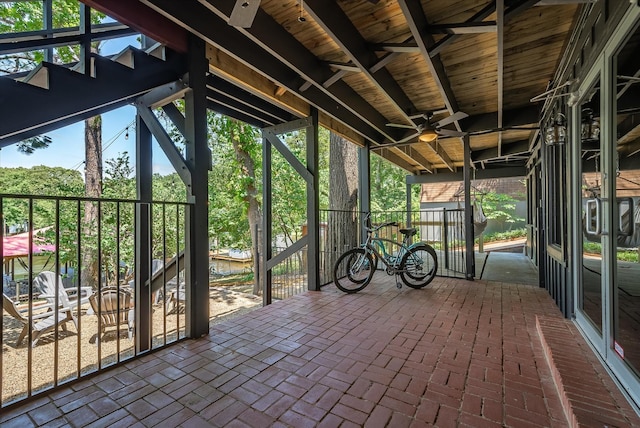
x=501, y=208
x=234, y=184
x=25, y=16
x=38, y=180
x=388, y=187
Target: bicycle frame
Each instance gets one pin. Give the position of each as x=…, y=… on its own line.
x=374, y=243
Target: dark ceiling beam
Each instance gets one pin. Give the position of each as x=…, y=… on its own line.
x=144, y=20
x=511, y=149
x=394, y=156
x=407, y=47
x=563, y=2
x=339, y=101
x=442, y=154
x=339, y=27
x=479, y=17
x=417, y=22
x=628, y=102
x=630, y=149
x=479, y=174
x=252, y=102
x=226, y=110
x=522, y=116
x=233, y=104
x=352, y=68
x=630, y=122
x=421, y=160
x=333, y=79
x=463, y=28
x=476, y=18
x=276, y=41
x=390, y=55
x=625, y=164
x=519, y=6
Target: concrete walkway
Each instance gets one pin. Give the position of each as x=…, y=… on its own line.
x=506, y=267
x=456, y=353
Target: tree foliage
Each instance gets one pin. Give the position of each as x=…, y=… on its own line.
x=24, y=16
x=230, y=182
x=388, y=188
x=39, y=180
x=30, y=145
x=501, y=208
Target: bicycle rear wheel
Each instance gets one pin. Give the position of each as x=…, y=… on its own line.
x=353, y=270
x=419, y=266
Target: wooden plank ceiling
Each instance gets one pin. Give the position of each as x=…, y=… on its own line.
x=366, y=64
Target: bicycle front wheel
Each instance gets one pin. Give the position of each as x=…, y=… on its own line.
x=419, y=266
x=353, y=270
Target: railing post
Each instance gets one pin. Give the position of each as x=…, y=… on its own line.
x=445, y=237
x=144, y=170
x=468, y=212
x=313, y=204
x=256, y=260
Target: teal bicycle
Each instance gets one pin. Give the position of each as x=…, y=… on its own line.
x=415, y=264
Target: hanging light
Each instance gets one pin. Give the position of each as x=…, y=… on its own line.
x=556, y=133
x=428, y=135
x=590, y=126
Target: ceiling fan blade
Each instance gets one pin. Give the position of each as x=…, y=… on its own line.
x=405, y=139
x=450, y=133
x=400, y=125
x=243, y=13
x=454, y=117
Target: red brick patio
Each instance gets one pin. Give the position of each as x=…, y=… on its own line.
x=456, y=353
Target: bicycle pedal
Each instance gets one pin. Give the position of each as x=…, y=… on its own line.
x=399, y=285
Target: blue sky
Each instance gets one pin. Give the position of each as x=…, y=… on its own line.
x=67, y=148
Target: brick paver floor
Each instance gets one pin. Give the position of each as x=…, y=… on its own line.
x=456, y=353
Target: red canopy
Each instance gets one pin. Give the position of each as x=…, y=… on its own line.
x=18, y=245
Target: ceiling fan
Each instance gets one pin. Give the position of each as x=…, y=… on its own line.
x=428, y=131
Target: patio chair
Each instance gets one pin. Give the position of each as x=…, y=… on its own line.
x=175, y=300
x=40, y=322
x=156, y=268
x=115, y=307
x=67, y=297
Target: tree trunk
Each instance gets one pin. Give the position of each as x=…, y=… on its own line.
x=342, y=230
x=254, y=212
x=93, y=189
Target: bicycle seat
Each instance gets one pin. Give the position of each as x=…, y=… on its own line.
x=409, y=232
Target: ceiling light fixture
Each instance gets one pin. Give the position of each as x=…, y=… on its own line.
x=428, y=135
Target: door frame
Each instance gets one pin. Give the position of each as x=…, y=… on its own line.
x=594, y=77
x=604, y=69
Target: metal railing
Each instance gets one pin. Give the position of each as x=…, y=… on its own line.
x=88, y=246
x=290, y=276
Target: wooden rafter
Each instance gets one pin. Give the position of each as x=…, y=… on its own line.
x=340, y=28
